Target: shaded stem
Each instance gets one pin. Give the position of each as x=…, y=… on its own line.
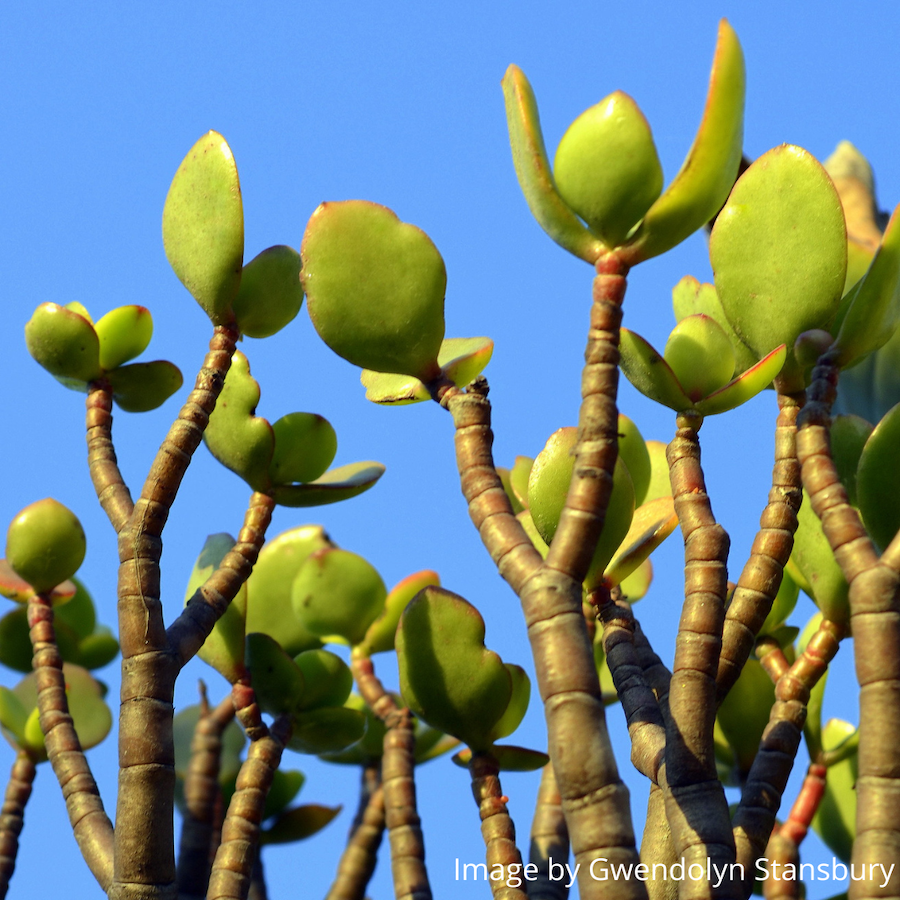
x=12, y=815
x=91, y=826
x=695, y=803
x=232, y=870
x=202, y=799
x=763, y=572
x=657, y=846
x=398, y=780
x=361, y=853
x=549, y=840
x=112, y=492
x=875, y=621
x=144, y=838
x=497, y=828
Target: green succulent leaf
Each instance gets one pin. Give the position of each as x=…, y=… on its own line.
x=746, y=386
x=277, y=679
x=14, y=587
x=518, y=703
x=707, y=174
x=699, y=353
x=878, y=480
x=327, y=678
x=45, y=544
x=270, y=295
x=533, y=170
x=380, y=634
x=13, y=714
x=326, y=730
x=185, y=724
x=286, y=784
x=508, y=758
x=461, y=360
x=335, y=485
x=338, y=594
x=447, y=676
x=606, y=168
x=298, y=823
x=64, y=343
x=635, y=585
x=653, y=522
x=648, y=371
x=782, y=606
x=97, y=650
x=369, y=747
x=79, y=613
x=141, y=387
x=779, y=253
x=269, y=607
x=124, y=334
x=873, y=311
x=203, y=226
x=223, y=649
x=236, y=437
x=305, y=446
x=744, y=713
x=848, y=437
x=835, y=819
x=633, y=450
x=375, y=288
x=660, y=485
x=519, y=475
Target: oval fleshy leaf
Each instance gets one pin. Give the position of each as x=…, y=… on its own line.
x=305, y=446
x=277, y=680
x=878, y=480
x=14, y=587
x=380, y=634
x=700, y=188
x=633, y=450
x=286, y=784
x=835, y=819
x=650, y=373
x=874, y=304
x=779, y=253
x=335, y=485
x=533, y=171
x=64, y=343
x=79, y=613
x=699, y=353
x=848, y=438
x=782, y=606
x=97, y=650
x=338, y=594
x=270, y=295
x=660, y=484
x=327, y=679
x=369, y=747
x=13, y=715
x=298, y=823
x=746, y=386
x=518, y=703
x=223, y=649
x=461, y=360
x=375, y=288
x=606, y=168
x=744, y=713
x=124, y=334
x=203, y=226
x=652, y=524
x=15, y=643
x=269, y=607
x=636, y=585
x=326, y=730
x=45, y=544
x=508, y=758
x=447, y=676
x=141, y=387
x=240, y=440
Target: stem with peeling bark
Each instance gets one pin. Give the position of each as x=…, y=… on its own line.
x=12, y=815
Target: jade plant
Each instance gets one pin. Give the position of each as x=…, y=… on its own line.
x=323, y=660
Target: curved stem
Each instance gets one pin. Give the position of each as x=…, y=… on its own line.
x=91, y=826
x=398, y=779
x=497, y=829
x=112, y=492
x=761, y=578
x=12, y=815
x=695, y=802
x=202, y=796
x=361, y=853
x=549, y=840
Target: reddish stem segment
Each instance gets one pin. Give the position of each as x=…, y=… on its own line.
x=875, y=623
x=91, y=826
x=695, y=802
x=806, y=805
x=112, y=492
x=501, y=853
x=398, y=779
x=12, y=815
x=549, y=840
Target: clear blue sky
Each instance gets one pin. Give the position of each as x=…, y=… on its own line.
x=398, y=103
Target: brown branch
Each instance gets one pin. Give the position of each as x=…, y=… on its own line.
x=398, y=780
x=549, y=841
x=112, y=492
x=202, y=797
x=91, y=826
x=766, y=780
x=12, y=815
x=144, y=840
x=232, y=870
x=781, y=851
x=762, y=575
x=209, y=603
x=497, y=829
x=358, y=860
x=695, y=801
x=657, y=847
x=875, y=621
